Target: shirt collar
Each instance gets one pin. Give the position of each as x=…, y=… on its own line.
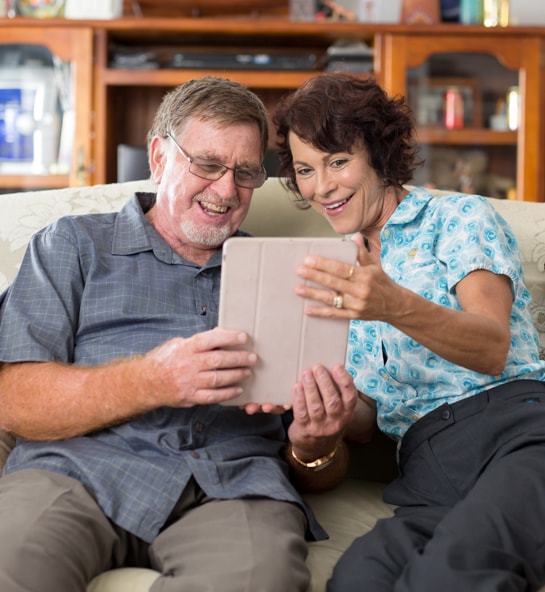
x=410, y=207
x=130, y=230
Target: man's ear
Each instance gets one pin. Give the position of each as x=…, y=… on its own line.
x=157, y=157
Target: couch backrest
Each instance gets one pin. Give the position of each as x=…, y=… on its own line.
x=272, y=214
x=22, y=214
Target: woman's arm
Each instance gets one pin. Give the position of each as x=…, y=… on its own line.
x=476, y=337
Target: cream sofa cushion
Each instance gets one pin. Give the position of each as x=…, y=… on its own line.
x=126, y=579
x=527, y=219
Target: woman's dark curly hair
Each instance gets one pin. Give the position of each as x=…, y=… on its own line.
x=339, y=112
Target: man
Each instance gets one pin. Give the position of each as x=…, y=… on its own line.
x=112, y=372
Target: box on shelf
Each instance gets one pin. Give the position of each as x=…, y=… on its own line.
x=526, y=13
x=98, y=9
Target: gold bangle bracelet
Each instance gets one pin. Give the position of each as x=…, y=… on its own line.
x=319, y=463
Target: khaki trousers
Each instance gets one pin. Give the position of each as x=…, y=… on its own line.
x=55, y=538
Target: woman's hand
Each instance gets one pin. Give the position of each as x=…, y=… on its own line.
x=323, y=407
x=361, y=291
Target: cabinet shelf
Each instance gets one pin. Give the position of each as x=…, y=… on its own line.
x=34, y=181
x=254, y=78
x=466, y=136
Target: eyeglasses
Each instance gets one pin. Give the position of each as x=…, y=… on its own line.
x=211, y=170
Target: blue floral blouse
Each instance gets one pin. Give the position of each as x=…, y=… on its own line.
x=429, y=245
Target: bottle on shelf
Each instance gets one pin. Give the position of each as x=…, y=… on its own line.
x=471, y=12
x=513, y=107
x=454, y=108
x=495, y=13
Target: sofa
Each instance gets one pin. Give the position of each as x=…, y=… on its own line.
x=353, y=507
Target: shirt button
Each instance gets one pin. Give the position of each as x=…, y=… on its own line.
x=445, y=414
x=195, y=454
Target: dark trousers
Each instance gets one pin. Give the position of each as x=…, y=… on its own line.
x=471, y=497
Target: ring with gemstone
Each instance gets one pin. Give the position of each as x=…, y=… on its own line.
x=338, y=301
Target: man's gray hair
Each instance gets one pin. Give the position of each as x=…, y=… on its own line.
x=210, y=99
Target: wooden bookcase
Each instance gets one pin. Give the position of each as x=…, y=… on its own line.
x=116, y=105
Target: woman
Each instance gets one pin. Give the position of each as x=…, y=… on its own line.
x=441, y=347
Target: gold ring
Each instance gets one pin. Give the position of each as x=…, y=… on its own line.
x=350, y=273
x=338, y=301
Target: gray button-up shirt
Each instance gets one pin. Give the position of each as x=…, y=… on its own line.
x=103, y=286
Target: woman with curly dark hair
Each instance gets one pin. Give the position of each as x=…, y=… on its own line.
x=442, y=348
x=336, y=111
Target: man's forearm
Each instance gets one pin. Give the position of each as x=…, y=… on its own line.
x=53, y=401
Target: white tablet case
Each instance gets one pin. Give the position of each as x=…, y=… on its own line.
x=258, y=296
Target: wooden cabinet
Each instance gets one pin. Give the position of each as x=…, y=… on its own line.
x=117, y=99
x=486, y=63
x=71, y=48
x=126, y=99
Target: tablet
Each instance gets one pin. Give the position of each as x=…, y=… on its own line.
x=257, y=296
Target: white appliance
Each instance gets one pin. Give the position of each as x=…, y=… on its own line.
x=30, y=120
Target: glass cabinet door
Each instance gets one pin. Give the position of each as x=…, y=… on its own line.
x=466, y=109
x=45, y=107
x=476, y=105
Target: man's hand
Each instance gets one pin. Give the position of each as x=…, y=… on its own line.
x=203, y=369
